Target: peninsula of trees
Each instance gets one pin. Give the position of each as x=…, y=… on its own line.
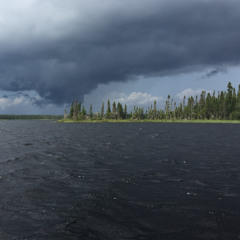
x=224, y=105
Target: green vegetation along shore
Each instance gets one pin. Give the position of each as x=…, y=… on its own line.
x=223, y=107
x=30, y=117
x=149, y=121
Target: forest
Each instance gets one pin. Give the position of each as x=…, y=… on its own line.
x=225, y=105
x=29, y=117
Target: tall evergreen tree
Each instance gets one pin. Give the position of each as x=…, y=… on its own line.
x=196, y=108
x=90, y=111
x=125, y=111
x=71, y=111
x=222, y=105
x=79, y=107
x=229, y=97
x=114, y=111
x=208, y=106
x=75, y=111
x=202, y=105
x=102, y=110
x=84, y=112
x=184, y=107
x=167, y=108
x=119, y=111
x=238, y=95
x=174, y=110
x=108, y=113
x=154, y=110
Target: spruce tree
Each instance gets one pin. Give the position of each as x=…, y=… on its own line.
x=208, y=107
x=184, y=107
x=79, y=107
x=131, y=115
x=155, y=109
x=167, y=108
x=238, y=95
x=75, y=111
x=174, y=110
x=202, y=105
x=229, y=99
x=119, y=111
x=108, y=113
x=114, y=111
x=102, y=110
x=71, y=111
x=90, y=111
x=84, y=112
x=125, y=111
x=222, y=105
x=196, y=108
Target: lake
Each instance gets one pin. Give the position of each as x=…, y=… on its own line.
x=119, y=181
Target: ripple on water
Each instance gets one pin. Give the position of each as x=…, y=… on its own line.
x=119, y=181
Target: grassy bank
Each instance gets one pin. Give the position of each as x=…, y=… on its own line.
x=147, y=120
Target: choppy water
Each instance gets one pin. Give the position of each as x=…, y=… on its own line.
x=119, y=181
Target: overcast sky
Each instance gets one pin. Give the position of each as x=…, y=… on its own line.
x=133, y=51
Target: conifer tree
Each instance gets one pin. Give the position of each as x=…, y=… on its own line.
x=238, y=95
x=84, y=112
x=196, y=108
x=102, y=110
x=71, y=111
x=108, y=113
x=234, y=100
x=174, y=110
x=184, y=107
x=155, y=110
x=170, y=109
x=79, y=107
x=208, y=107
x=222, y=105
x=135, y=112
x=150, y=113
x=229, y=104
x=189, y=108
x=131, y=115
x=167, y=107
x=114, y=111
x=90, y=111
x=140, y=113
x=202, y=105
x=180, y=111
x=119, y=111
x=75, y=111
x=125, y=111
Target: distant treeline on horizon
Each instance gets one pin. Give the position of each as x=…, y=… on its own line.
x=29, y=117
x=223, y=105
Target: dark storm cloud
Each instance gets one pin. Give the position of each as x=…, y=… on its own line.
x=215, y=72
x=120, y=43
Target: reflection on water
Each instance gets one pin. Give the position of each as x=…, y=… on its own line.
x=119, y=181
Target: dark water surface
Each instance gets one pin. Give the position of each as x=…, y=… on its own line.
x=119, y=181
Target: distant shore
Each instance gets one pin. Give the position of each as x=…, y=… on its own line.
x=30, y=117
x=148, y=121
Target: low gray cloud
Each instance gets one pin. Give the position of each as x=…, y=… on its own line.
x=215, y=72
x=64, y=50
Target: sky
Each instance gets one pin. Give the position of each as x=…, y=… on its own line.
x=133, y=51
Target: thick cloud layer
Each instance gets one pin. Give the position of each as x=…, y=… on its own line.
x=64, y=49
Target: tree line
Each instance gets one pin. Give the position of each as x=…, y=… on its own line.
x=223, y=105
x=29, y=117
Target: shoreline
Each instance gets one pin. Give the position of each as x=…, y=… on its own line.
x=149, y=121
